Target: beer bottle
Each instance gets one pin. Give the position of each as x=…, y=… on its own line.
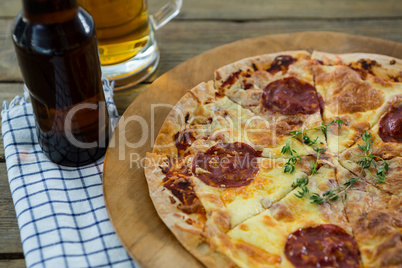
x=57, y=53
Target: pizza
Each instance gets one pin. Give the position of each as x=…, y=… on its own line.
x=288, y=159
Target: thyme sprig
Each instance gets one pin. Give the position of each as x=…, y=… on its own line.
x=365, y=163
x=334, y=194
x=369, y=158
x=287, y=150
x=302, y=184
x=314, y=166
x=304, y=137
x=289, y=166
x=324, y=127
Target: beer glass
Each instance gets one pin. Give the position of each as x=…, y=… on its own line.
x=127, y=48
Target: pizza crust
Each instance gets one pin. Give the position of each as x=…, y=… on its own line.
x=381, y=70
x=176, y=119
x=261, y=62
x=330, y=58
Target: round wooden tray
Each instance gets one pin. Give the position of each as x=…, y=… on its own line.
x=141, y=231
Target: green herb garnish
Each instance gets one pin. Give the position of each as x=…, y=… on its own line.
x=287, y=150
x=319, y=151
x=302, y=184
x=289, y=166
x=365, y=163
x=324, y=127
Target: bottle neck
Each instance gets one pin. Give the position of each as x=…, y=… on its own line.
x=49, y=11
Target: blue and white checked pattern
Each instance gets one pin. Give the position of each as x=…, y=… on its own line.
x=60, y=210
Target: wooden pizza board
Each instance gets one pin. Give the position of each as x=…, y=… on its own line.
x=141, y=231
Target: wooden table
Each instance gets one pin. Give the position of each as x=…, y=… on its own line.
x=201, y=25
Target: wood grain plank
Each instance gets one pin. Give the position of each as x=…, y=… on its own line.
x=123, y=99
x=10, y=236
x=264, y=9
x=8, y=62
x=9, y=8
x=9, y=90
x=20, y=263
x=289, y=9
x=180, y=41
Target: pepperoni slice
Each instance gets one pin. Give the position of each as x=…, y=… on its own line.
x=227, y=165
x=390, y=129
x=325, y=245
x=290, y=96
x=178, y=182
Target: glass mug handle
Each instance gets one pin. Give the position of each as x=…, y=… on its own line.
x=165, y=14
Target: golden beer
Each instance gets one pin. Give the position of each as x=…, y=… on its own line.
x=122, y=28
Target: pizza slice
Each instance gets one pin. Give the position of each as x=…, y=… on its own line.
x=376, y=219
x=385, y=136
x=294, y=232
x=384, y=144
x=279, y=88
x=233, y=183
x=171, y=191
x=355, y=88
x=388, y=179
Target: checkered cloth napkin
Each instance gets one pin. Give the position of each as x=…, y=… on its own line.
x=60, y=210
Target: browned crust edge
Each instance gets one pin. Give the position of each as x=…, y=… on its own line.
x=175, y=121
x=224, y=72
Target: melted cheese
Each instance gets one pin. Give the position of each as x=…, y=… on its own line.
x=269, y=230
x=358, y=103
x=240, y=203
x=233, y=123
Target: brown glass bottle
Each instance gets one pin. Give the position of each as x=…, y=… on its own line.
x=57, y=53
